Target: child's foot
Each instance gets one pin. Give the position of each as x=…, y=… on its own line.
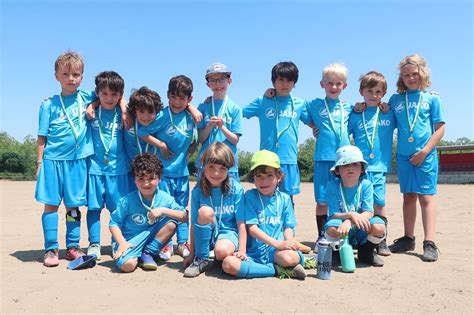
x=296, y=272
x=198, y=266
x=146, y=262
x=94, y=249
x=430, y=251
x=183, y=249
x=303, y=248
x=73, y=253
x=166, y=252
x=403, y=244
x=51, y=258
x=366, y=255
x=315, y=249
x=382, y=249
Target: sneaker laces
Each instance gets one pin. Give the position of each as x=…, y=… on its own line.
x=431, y=245
x=50, y=253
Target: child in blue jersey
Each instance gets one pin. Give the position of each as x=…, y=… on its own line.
x=64, y=143
x=279, y=116
x=421, y=125
x=107, y=179
x=330, y=115
x=217, y=212
x=222, y=118
x=350, y=204
x=145, y=219
x=173, y=132
x=271, y=221
x=372, y=130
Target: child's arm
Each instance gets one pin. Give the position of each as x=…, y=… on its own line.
x=242, y=241
x=161, y=145
x=204, y=133
x=255, y=232
x=232, y=137
x=192, y=148
x=288, y=234
x=127, y=119
x=39, y=153
x=181, y=216
x=123, y=245
x=418, y=158
x=360, y=107
x=360, y=220
x=196, y=115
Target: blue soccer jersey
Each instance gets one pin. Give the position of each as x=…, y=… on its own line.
x=131, y=216
x=375, y=143
x=231, y=114
x=134, y=145
x=430, y=112
x=107, y=134
x=272, y=215
x=332, y=135
x=178, y=132
x=279, y=124
x=357, y=199
x=68, y=137
x=228, y=208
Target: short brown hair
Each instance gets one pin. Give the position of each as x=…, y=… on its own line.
x=69, y=59
x=371, y=79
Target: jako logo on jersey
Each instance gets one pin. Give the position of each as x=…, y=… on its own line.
x=382, y=123
x=139, y=219
x=269, y=220
x=411, y=105
x=270, y=113
x=287, y=113
x=225, y=210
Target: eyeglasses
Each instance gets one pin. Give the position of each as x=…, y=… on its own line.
x=220, y=80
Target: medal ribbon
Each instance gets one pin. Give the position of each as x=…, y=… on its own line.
x=220, y=212
x=411, y=125
x=102, y=131
x=331, y=120
x=79, y=117
x=346, y=205
x=192, y=136
x=371, y=139
x=280, y=133
x=265, y=219
x=138, y=140
x=148, y=208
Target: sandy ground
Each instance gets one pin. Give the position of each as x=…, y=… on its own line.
x=404, y=285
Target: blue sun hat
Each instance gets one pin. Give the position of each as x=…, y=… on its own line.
x=347, y=155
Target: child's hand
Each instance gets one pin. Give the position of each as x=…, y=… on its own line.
x=216, y=121
x=90, y=111
x=240, y=255
x=122, y=249
x=360, y=107
x=418, y=158
x=208, y=100
x=384, y=107
x=315, y=132
x=287, y=245
x=188, y=260
x=269, y=93
x=196, y=115
x=166, y=152
x=360, y=221
x=345, y=227
x=127, y=120
x=154, y=214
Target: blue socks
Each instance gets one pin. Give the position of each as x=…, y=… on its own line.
x=93, y=226
x=182, y=232
x=202, y=238
x=154, y=247
x=73, y=228
x=49, y=221
x=250, y=269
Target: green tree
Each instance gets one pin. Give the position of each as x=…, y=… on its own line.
x=305, y=160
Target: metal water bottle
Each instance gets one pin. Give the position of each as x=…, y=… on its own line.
x=324, y=260
x=347, y=256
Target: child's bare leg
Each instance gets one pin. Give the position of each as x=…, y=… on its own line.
x=231, y=265
x=321, y=216
x=377, y=230
x=428, y=213
x=223, y=249
x=129, y=266
x=380, y=210
x=166, y=232
x=409, y=213
x=286, y=258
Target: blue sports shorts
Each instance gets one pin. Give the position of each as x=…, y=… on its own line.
x=291, y=181
x=356, y=236
x=379, y=181
x=106, y=191
x=418, y=179
x=177, y=187
x=322, y=176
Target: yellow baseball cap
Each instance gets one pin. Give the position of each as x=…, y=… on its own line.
x=264, y=157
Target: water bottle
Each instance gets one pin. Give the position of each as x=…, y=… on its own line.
x=347, y=256
x=324, y=260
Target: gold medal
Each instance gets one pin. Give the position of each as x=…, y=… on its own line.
x=411, y=139
x=371, y=155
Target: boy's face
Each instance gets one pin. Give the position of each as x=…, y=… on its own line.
x=267, y=182
x=108, y=98
x=333, y=86
x=411, y=77
x=178, y=103
x=283, y=86
x=373, y=95
x=146, y=184
x=218, y=83
x=145, y=117
x=350, y=171
x=70, y=78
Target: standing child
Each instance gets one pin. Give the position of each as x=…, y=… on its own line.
x=217, y=212
x=174, y=134
x=421, y=125
x=350, y=204
x=372, y=130
x=144, y=219
x=107, y=179
x=271, y=221
x=64, y=143
x=222, y=117
x=330, y=115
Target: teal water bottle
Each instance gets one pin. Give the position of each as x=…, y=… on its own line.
x=347, y=256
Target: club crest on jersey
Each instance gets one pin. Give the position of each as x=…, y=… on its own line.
x=207, y=118
x=138, y=219
x=323, y=112
x=270, y=113
x=170, y=130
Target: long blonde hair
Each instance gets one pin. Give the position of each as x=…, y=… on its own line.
x=217, y=153
x=423, y=71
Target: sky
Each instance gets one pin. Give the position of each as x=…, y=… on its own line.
x=148, y=42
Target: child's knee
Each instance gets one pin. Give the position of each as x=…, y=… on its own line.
x=223, y=249
x=409, y=197
x=377, y=230
x=231, y=265
x=332, y=231
x=129, y=266
x=287, y=258
x=205, y=215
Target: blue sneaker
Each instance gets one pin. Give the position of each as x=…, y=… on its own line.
x=146, y=262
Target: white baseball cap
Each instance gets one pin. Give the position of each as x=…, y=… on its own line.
x=217, y=67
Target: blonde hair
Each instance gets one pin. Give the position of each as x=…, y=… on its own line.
x=69, y=59
x=423, y=71
x=337, y=70
x=216, y=153
x=371, y=79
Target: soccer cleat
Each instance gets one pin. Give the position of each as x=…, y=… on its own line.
x=94, y=249
x=146, y=262
x=183, y=250
x=366, y=255
x=403, y=244
x=430, y=251
x=382, y=249
x=73, y=253
x=166, y=252
x=51, y=258
x=198, y=266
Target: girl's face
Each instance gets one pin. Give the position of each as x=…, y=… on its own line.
x=411, y=76
x=350, y=171
x=267, y=182
x=215, y=174
x=145, y=117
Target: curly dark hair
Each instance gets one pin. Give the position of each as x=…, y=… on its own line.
x=144, y=99
x=145, y=164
